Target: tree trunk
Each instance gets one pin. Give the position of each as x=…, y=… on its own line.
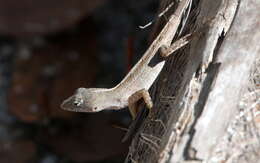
x=197, y=94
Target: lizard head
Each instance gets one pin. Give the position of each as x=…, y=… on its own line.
x=83, y=100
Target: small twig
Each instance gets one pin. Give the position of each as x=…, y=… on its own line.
x=119, y=127
x=159, y=16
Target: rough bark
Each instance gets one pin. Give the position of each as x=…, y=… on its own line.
x=197, y=94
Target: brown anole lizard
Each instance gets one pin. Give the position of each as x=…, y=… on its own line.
x=137, y=82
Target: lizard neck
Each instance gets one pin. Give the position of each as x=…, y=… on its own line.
x=108, y=99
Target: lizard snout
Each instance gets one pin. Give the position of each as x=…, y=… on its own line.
x=75, y=104
x=72, y=104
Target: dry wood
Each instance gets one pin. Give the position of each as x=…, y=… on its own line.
x=198, y=91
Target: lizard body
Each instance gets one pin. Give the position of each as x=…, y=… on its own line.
x=137, y=82
x=140, y=77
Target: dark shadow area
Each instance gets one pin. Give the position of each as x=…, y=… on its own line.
x=47, y=50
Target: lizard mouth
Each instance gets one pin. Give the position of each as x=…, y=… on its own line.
x=70, y=105
x=74, y=104
x=65, y=105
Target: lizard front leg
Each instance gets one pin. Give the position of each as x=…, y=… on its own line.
x=165, y=51
x=134, y=98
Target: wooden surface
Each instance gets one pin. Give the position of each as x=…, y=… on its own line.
x=198, y=91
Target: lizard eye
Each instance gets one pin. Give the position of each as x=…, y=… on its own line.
x=78, y=102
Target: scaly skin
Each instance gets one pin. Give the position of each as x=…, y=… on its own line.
x=141, y=76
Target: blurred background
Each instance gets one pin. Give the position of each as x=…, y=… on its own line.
x=47, y=50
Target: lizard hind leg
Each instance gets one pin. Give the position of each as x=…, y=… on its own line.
x=133, y=100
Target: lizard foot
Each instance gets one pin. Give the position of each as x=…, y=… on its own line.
x=134, y=98
x=165, y=51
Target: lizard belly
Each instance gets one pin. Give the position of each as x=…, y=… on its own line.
x=150, y=75
x=142, y=80
x=146, y=78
